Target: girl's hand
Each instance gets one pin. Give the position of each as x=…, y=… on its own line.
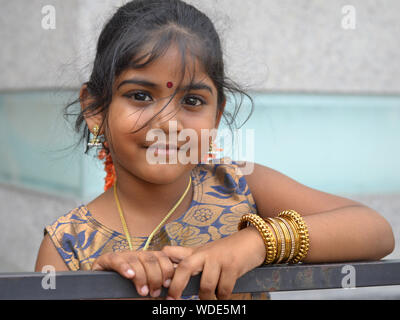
x=149, y=270
x=221, y=262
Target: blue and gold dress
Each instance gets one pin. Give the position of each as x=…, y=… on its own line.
x=220, y=197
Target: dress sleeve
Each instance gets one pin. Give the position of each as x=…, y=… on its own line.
x=63, y=235
x=235, y=179
x=242, y=185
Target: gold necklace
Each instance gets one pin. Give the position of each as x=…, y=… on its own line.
x=125, y=227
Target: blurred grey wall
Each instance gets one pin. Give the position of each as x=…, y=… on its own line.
x=285, y=45
x=269, y=45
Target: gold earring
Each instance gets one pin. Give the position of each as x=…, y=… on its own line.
x=212, y=152
x=95, y=141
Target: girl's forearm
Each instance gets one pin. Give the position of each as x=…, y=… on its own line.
x=348, y=234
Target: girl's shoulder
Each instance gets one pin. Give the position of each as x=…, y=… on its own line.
x=224, y=181
x=223, y=172
x=79, y=238
x=77, y=216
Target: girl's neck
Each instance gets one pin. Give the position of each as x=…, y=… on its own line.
x=140, y=198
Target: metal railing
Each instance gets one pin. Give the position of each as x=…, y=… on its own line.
x=110, y=285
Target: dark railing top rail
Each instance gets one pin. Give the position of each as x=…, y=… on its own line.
x=110, y=285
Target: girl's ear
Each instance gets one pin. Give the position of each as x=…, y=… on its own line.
x=219, y=113
x=86, y=100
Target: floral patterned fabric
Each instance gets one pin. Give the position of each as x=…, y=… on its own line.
x=220, y=197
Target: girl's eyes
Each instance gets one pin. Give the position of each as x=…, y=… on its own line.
x=193, y=100
x=143, y=96
x=140, y=96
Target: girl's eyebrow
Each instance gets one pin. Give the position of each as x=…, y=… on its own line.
x=146, y=83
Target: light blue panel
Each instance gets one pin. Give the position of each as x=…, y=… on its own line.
x=93, y=175
x=335, y=143
x=31, y=132
x=37, y=144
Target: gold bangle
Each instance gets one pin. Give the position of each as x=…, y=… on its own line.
x=293, y=218
x=265, y=231
x=288, y=239
x=293, y=237
x=293, y=226
x=302, y=231
x=280, y=238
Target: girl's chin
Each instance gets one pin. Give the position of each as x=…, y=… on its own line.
x=167, y=168
x=162, y=177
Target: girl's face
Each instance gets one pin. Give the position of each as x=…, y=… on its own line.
x=138, y=95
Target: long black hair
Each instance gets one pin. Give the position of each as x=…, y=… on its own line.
x=146, y=29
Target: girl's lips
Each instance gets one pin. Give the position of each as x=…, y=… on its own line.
x=166, y=151
x=160, y=149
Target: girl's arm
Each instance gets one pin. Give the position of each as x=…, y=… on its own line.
x=340, y=229
x=48, y=255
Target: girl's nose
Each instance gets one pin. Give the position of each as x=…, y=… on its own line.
x=168, y=119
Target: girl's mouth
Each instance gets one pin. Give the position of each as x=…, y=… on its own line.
x=162, y=148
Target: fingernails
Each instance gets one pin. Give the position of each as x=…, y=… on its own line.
x=167, y=283
x=144, y=290
x=156, y=293
x=130, y=273
x=170, y=298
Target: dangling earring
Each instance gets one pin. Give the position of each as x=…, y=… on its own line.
x=95, y=141
x=212, y=152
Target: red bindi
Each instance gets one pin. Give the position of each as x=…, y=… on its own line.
x=169, y=84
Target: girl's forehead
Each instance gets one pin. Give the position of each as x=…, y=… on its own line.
x=158, y=81
x=168, y=69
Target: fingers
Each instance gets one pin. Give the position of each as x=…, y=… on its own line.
x=149, y=270
x=185, y=269
x=158, y=268
x=209, y=280
x=217, y=279
x=113, y=261
x=140, y=278
x=226, y=283
x=177, y=254
x=167, y=268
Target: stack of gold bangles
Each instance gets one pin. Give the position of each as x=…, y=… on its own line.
x=285, y=236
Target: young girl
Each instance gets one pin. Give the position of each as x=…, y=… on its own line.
x=157, y=63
